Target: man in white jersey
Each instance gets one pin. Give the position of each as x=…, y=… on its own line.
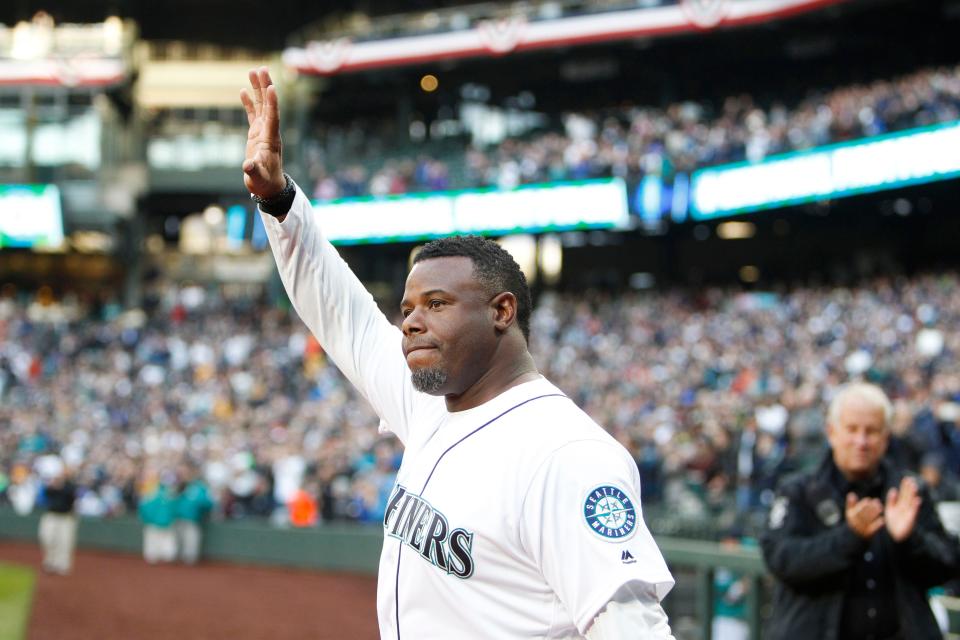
x=514, y=514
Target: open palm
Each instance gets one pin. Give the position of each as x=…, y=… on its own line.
x=263, y=164
x=901, y=508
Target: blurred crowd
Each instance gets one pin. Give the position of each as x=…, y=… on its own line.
x=717, y=393
x=234, y=389
x=634, y=141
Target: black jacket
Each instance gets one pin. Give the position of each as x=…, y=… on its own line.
x=60, y=499
x=814, y=555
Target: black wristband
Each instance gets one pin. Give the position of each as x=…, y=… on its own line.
x=278, y=205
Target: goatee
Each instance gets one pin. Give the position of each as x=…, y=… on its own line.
x=428, y=380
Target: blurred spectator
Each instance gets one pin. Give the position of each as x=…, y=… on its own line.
x=23, y=490
x=302, y=508
x=856, y=545
x=906, y=446
x=193, y=503
x=730, y=595
x=258, y=503
x=376, y=475
x=58, y=524
x=931, y=471
x=158, y=512
x=650, y=466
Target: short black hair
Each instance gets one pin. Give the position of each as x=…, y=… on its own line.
x=493, y=267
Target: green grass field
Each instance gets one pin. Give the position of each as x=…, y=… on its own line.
x=16, y=593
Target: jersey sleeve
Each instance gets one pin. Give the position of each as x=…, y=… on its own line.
x=633, y=612
x=343, y=316
x=582, y=525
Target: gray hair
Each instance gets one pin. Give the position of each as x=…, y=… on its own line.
x=867, y=392
x=428, y=380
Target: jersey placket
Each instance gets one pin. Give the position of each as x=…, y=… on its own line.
x=430, y=476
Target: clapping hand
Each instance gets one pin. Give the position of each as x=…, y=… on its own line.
x=901, y=509
x=263, y=165
x=864, y=516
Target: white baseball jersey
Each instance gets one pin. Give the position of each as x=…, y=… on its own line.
x=519, y=518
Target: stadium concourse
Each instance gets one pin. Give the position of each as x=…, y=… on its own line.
x=717, y=393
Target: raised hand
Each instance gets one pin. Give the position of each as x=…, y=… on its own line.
x=901, y=509
x=263, y=165
x=864, y=516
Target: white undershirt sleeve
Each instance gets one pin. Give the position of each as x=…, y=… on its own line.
x=343, y=315
x=633, y=612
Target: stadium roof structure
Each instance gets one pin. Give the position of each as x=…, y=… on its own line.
x=90, y=43
x=517, y=31
x=241, y=23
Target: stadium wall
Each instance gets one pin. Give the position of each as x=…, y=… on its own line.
x=337, y=547
x=356, y=549
x=332, y=548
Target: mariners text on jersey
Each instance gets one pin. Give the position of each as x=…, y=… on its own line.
x=413, y=520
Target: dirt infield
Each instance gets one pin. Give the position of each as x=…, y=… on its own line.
x=111, y=596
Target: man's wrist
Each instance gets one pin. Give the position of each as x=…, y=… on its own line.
x=280, y=204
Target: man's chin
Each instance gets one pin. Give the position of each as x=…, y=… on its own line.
x=429, y=380
x=438, y=393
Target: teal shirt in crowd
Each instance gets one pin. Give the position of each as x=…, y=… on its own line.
x=159, y=509
x=194, y=502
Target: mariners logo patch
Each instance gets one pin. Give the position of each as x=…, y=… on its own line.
x=610, y=513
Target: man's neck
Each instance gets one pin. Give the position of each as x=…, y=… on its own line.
x=493, y=382
x=860, y=481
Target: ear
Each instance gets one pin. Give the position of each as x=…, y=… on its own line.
x=504, y=308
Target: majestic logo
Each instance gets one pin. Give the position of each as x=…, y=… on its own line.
x=626, y=557
x=415, y=522
x=705, y=14
x=610, y=513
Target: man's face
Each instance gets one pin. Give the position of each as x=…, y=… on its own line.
x=448, y=326
x=858, y=438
